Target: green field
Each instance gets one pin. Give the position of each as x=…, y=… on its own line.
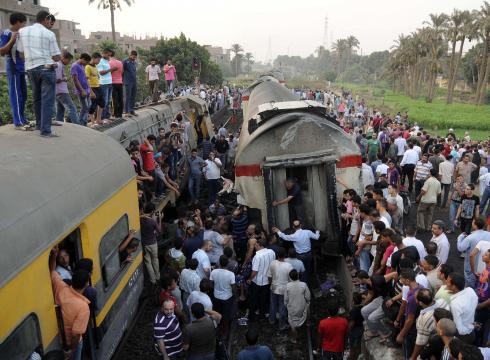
x=437, y=117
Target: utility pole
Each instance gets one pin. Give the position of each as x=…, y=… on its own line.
x=325, y=33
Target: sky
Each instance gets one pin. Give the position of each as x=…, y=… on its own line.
x=266, y=28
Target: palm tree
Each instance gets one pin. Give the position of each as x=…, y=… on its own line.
x=237, y=50
x=352, y=43
x=249, y=56
x=483, y=32
x=339, y=47
x=459, y=27
x=433, y=35
x=111, y=5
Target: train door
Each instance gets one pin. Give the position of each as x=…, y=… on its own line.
x=316, y=178
x=69, y=254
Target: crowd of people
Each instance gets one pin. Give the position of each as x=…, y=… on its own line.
x=409, y=294
x=104, y=86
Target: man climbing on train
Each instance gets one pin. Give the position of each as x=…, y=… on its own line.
x=294, y=199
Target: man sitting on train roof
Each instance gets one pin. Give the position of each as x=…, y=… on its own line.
x=294, y=199
x=74, y=306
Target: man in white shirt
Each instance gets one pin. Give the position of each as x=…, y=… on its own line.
x=409, y=160
x=212, y=174
x=367, y=174
x=411, y=240
x=41, y=52
x=476, y=261
x=189, y=280
x=382, y=169
x=401, y=145
x=204, y=267
x=259, y=280
x=446, y=173
x=427, y=200
x=302, y=244
x=152, y=78
x=440, y=239
x=200, y=296
x=218, y=241
x=225, y=291
x=463, y=305
x=279, y=277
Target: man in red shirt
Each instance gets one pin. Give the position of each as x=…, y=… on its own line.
x=332, y=333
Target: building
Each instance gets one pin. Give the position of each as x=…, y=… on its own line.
x=27, y=7
x=69, y=37
x=127, y=43
x=219, y=55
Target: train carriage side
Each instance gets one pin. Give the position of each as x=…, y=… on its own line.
x=79, y=191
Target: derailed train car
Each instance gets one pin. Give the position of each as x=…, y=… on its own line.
x=282, y=138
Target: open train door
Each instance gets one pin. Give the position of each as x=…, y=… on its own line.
x=315, y=173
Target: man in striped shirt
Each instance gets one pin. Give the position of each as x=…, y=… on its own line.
x=259, y=280
x=422, y=173
x=167, y=332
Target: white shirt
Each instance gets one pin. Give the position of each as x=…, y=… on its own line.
x=411, y=156
x=485, y=180
x=199, y=297
x=297, y=264
x=65, y=274
x=211, y=170
x=463, y=306
x=442, y=247
x=223, y=280
x=411, y=241
x=398, y=200
x=38, y=45
x=382, y=169
x=301, y=239
x=279, y=272
x=418, y=149
x=189, y=280
x=217, y=249
x=483, y=247
x=153, y=72
x=204, y=263
x=367, y=175
x=400, y=143
x=260, y=263
x=446, y=170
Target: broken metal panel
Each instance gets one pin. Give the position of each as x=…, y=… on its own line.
x=281, y=212
x=319, y=196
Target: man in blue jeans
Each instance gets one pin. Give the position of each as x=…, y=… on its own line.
x=41, y=52
x=82, y=89
x=105, y=79
x=129, y=81
x=196, y=164
x=63, y=98
x=16, y=76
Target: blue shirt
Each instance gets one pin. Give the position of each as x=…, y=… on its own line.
x=301, y=239
x=256, y=352
x=105, y=79
x=466, y=244
x=11, y=63
x=129, y=74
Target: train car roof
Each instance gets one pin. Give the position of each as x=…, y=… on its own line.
x=48, y=186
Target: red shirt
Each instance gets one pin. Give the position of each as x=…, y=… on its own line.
x=147, y=157
x=333, y=331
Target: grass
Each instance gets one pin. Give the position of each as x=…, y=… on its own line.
x=437, y=116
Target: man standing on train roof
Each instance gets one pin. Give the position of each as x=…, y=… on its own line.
x=16, y=77
x=294, y=199
x=170, y=76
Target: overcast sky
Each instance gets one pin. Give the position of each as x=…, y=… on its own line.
x=266, y=28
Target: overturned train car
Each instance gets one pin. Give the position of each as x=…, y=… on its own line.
x=282, y=138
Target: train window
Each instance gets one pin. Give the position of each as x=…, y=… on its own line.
x=110, y=261
x=23, y=341
x=300, y=174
